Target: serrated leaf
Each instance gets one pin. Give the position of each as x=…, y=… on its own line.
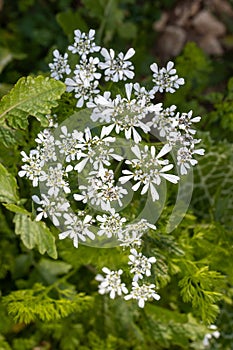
x=30, y=96
x=7, y=136
x=8, y=186
x=35, y=234
x=16, y=209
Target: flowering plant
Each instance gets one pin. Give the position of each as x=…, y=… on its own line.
x=126, y=137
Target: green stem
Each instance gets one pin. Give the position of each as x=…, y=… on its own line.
x=59, y=281
x=104, y=21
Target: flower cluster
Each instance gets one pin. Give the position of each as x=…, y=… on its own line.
x=140, y=266
x=110, y=156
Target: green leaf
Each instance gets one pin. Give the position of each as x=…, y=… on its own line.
x=35, y=234
x=30, y=96
x=50, y=269
x=8, y=186
x=7, y=136
x=16, y=209
x=70, y=21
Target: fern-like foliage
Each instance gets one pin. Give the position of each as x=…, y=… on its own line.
x=29, y=97
x=198, y=287
x=31, y=304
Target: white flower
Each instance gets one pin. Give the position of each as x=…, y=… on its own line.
x=88, y=69
x=69, y=144
x=77, y=228
x=147, y=170
x=84, y=43
x=216, y=334
x=111, y=283
x=166, y=78
x=123, y=114
x=184, y=122
x=130, y=240
x=99, y=108
x=141, y=92
x=60, y=65
x=111, y=225
x=140, y=264
x=96, y=150
x=52, y=119
x=101, y=191
x=163, y=122
x=117, y=68
x=184, y=158
x=50, y=206
x=32, y=170
x=54, y=178
x=142, y=293
x=46, y=146
x=132, y=233
x=84, y=89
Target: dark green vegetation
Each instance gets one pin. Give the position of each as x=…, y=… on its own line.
x=49, y=297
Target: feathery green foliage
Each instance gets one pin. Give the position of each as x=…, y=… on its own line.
x=28, y=305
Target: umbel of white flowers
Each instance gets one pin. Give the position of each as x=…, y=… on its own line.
x=128, y=116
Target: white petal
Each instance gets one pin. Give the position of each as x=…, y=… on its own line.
x=64, y=234
x=154, y=193
x=135, y=149
x=39, y=216
x=106, y=130
x=156, y=296
x=112, y=294
x=128, y=90
x=36, y=199
x=124, y=179
x=145, y=188
x=90, y=234
x=172, y=178
x=78, y=197
x=137, y=138
x=55, y=221
x=22, y=173
x=80, y=166
x=129, y=54
x=154, y=67
x=106, y=270
x=170, y=65
x=136, y=186
x=141, y=303
x=166, y=148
